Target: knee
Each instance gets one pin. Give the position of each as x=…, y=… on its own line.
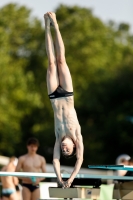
x=61, y=60
x=52, y=63
x=51, y=66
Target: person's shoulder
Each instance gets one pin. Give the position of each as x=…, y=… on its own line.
x=41, y=157
x=22, y=158
x=10, y=167
x=78, y=131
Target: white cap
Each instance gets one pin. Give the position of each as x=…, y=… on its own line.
x=122, y=156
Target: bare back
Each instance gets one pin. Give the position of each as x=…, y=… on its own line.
x=8, y=181
x=65, y=117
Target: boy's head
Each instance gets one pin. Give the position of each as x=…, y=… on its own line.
x=68, y=147
x=32, y=145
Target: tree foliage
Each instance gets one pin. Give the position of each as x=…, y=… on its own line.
x=100, y=58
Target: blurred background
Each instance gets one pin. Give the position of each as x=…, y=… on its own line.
x=98, y=37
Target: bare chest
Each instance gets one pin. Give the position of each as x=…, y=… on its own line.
x=32, y=164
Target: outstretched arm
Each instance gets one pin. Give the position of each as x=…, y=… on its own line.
x=79, y=155
x=56, y=162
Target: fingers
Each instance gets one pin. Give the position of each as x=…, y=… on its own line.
x=67, y=184
x=64, y=184
x=61, y=184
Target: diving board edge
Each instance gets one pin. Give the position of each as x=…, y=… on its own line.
x=112, y=167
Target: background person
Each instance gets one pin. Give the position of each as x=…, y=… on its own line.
x=9, y=183
x=130, y=173
x=31, y=162
x=122, y=159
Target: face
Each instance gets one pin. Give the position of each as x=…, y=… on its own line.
x=131, y=163
x=32, y=148
x=67, y=146
x=126, y=162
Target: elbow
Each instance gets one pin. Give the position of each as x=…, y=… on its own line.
x=80, y=160
x=55, y=161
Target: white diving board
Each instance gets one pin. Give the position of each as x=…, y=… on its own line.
x=112, y=167
x=53, y=175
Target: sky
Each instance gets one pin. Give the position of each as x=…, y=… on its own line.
x=116, y=10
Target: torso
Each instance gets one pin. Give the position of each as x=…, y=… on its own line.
x=65, y=117
x=31, y=164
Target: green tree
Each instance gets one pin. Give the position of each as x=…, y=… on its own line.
x=18, y=92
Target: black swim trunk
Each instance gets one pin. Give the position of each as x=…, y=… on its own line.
x=60, y=92
x=30, y=186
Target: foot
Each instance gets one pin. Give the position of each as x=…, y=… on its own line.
x=52, y=18
x=47, y=20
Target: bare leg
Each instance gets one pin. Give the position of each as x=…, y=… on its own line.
x=26, y=194
x=63, y=70
x=4, y=198
x=36, y=194
x=52, y=72
x=14, y=196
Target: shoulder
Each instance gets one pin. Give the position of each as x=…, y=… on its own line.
x=57, y=135
x=22, y=158
x=41, y=158
x=10, y=167
x=78, y=131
